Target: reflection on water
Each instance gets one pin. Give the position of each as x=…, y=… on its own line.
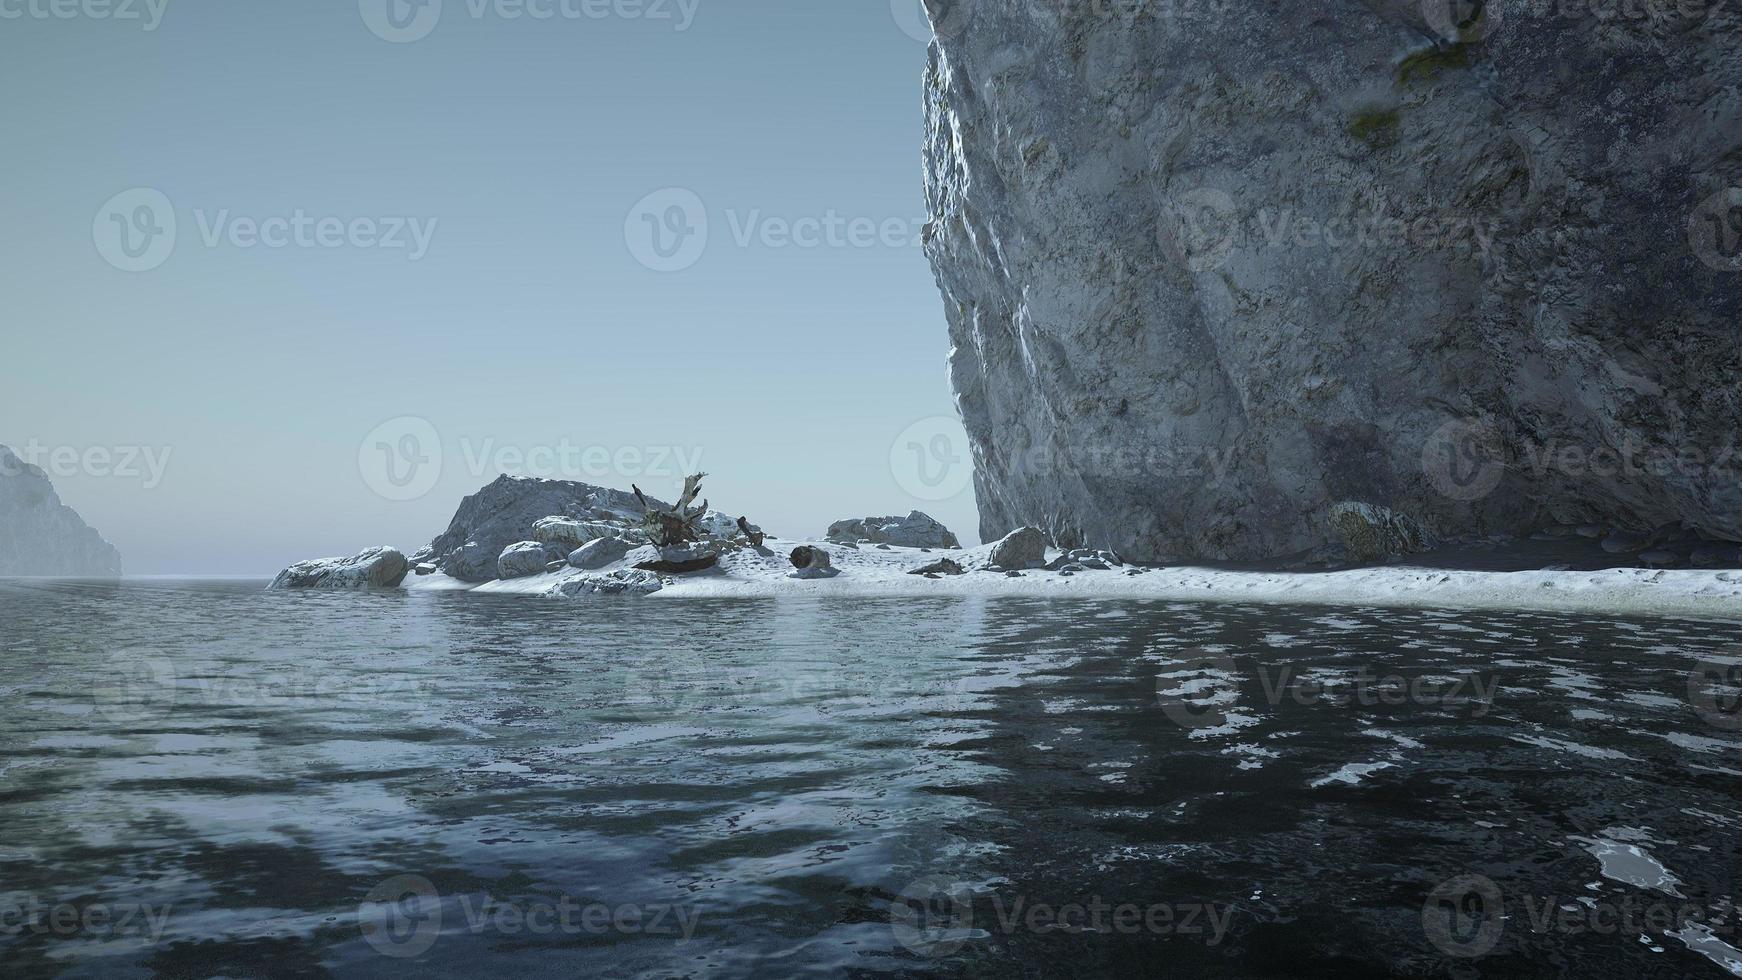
x=204, y=779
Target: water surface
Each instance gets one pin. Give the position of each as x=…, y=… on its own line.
x=205, y=779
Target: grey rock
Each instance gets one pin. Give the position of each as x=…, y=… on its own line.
x=376, y=568
x=1018, y=548
x=523, y=558
x=943, y=566
x=1660, y=558
x=814, y=573
x=623, y=581
x=42, y=537
x=1715, y=556
x=916, y=530
x=1013, y=573
x=1591, y=530
x=1140, y=361
x=505, y=513
x=1371, y=532
x=810, y=557
x=571, y=533
x=599, y=553
x=1620, y=542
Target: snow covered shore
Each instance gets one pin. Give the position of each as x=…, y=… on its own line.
x=877, y=572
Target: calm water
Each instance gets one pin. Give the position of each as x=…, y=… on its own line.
x=206, y=779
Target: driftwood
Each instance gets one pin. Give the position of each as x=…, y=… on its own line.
x=665, y=528
x=753, y=533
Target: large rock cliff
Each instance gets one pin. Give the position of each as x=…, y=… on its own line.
x=1212, y=268
x=40, y=536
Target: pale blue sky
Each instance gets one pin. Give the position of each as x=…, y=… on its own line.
x=525, y=319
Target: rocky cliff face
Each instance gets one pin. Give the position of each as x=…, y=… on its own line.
x=1212, y=268
x=40, y=536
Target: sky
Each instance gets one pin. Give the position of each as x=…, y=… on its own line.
x=289, y=280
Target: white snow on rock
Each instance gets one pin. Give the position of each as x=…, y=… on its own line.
x=376, y=568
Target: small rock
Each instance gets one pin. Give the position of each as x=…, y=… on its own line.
x=1590, y=530
x=1094, y=563
x=1656, y=558
x=425, y=569
x=1715, y=556
x=1013, y=573
x=1372, y=532
x=943, y=566
x=883, y=547
x=1066, y=573
x=1019, y=548
x=1619, y=542
x=555, y=566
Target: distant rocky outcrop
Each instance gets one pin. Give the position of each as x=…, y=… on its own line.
x=518, y=509
x=916, y=530
x=39, y=535
x=376, y=568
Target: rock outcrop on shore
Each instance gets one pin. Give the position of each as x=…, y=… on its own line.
x=42, y=537
x=512, y=510
x=375, y=568
x=1207, y=276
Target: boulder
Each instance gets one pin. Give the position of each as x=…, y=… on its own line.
x=943, y=566
x=1019, y=549
x=40, y=536
x=916, y=530
x=623, y=581
x=571, y=533
x=1714, y=555
x=1373, y=533
x=377, y=568
x=599, y=553
x=523, y=558
x=505, y=513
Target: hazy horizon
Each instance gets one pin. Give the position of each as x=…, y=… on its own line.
x=293, y=281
